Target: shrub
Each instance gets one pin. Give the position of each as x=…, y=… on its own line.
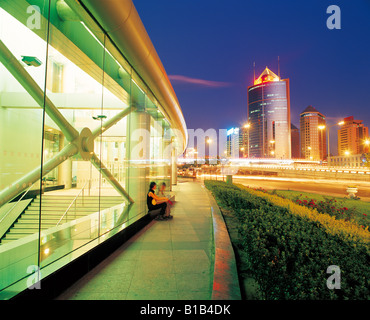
x=348, y=230
x=290, y=247
x=334, y=208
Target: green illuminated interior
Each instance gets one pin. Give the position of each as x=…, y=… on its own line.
x=81, y=137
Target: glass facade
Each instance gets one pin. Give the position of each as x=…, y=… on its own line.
x=269, y=119
x=81, y=137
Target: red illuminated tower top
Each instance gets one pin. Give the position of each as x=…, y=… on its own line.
x=266, y=76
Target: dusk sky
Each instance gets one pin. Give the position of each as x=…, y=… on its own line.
x=208, y=48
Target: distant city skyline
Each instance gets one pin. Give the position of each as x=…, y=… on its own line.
x=208, y=49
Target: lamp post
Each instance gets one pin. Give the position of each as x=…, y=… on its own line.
x=242, y=150
x=347, y=163
x=366, y=151
x=247, y=126
x=329, y=127
x=272, y=148
x=321, y=128
x=367, y=144
x=209, y=141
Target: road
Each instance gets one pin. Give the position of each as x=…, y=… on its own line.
x=323, y=186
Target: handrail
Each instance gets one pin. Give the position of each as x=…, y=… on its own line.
x=20, y=199
x=72, y=203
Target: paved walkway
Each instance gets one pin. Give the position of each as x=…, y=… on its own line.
x=166, y=260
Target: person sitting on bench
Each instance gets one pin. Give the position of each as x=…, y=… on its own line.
x=162, y=192
x=155, y=203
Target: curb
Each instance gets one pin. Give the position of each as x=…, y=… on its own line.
x=225, y=276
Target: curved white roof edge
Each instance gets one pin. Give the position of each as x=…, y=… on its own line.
x=122, y=23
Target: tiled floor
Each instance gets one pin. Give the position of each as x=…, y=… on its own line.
x=167, y=260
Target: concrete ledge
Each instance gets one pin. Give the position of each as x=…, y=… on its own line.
x=225, y=276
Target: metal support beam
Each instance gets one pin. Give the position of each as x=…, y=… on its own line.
x=29, y=84
x=23, y=183
x=109, y=123
x=111, y=179
x=71, y=134
x=65, y=12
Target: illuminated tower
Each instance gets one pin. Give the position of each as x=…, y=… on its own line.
x=269, y=117
x=313, y=134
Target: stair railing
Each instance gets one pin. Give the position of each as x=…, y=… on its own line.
x=19, y=200
x=73, y=202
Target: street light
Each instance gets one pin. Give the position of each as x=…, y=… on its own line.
x=367, y=144
x=247, y=126
x=272, y=147
x=321, y=128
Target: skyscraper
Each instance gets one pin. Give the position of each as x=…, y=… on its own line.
x=351, y=137
x=244, y=141
x=234, y=140
x=269, y=116
x=313, y=134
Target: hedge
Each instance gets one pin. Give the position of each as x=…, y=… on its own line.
x=289, y=247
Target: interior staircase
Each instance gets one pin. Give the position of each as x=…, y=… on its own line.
x=53, y=207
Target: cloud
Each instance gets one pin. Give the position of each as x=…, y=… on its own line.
x=199, y=82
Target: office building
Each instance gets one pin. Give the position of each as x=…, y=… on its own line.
x=233, y=143
x=88, y=118
x=352, y=136
x=313, y=134
x=269, y=117
x=295, y=142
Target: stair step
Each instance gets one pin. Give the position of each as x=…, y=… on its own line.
x=34, y=224
x=73, y=197
x=72, y=209
x=53, y=208
x=13, y=231
x=9, y=237
x=78, y=204
x=50, y=217
x=57, y=212
x=4, y=241
x=78, y=200
x=36, y=206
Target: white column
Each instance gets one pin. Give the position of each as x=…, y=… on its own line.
x=138, y=155
x=174, y=166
